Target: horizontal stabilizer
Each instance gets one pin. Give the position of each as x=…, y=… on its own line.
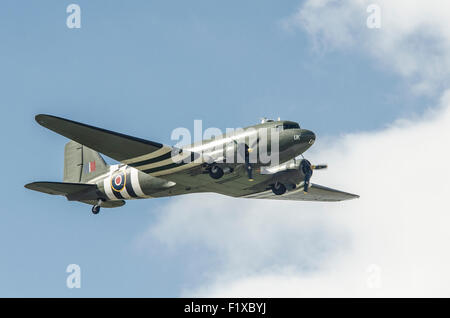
x=73, y=191
x=83, y=192
x=315, y=193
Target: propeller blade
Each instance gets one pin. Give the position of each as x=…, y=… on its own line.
x=306, y=183
x=307, y=170
x=318, y=167
x=247, y=151
x=249, y=168
x=248, y=165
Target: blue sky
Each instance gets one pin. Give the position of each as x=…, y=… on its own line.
x=144, y=68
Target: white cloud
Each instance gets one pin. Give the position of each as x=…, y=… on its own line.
x=414, y=38
x=401, y=222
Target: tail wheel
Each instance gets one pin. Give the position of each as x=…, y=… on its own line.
x=278, y=188
x=96, y=209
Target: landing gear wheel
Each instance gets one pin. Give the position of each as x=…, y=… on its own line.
x=96, y=209
x=278, y=188
x=215, y=172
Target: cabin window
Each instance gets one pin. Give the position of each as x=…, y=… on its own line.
x=291, y=126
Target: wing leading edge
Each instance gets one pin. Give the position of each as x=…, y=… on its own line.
x=315, y=193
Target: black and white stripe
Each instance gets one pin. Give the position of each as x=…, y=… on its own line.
x=132, y=188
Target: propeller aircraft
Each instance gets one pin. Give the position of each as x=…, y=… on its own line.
x=229, y=165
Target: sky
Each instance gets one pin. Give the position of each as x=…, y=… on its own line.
x=377, y=99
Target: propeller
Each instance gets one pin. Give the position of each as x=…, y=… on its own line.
x=247, y=164
x=307, y=168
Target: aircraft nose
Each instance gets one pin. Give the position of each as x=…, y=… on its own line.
x=307, y=136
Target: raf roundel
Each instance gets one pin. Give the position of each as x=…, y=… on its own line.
x=118, y=181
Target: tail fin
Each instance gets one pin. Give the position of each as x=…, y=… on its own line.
x=81, y=163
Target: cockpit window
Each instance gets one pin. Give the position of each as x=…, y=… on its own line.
x=291, y=126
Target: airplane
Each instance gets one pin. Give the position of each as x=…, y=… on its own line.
x=149, y=169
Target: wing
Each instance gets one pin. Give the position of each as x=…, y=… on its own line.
x=148, y=156
x=118, y=146
x=315, y=193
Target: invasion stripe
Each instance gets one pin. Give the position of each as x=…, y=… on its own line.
x=175, y=159
x=129, y=187
x=118, y=195
x=125, y=194
x=166, y=167
x=172, y=165
x=150, y=155
x=135, y=182
x=152, y=160
x=107, y=187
